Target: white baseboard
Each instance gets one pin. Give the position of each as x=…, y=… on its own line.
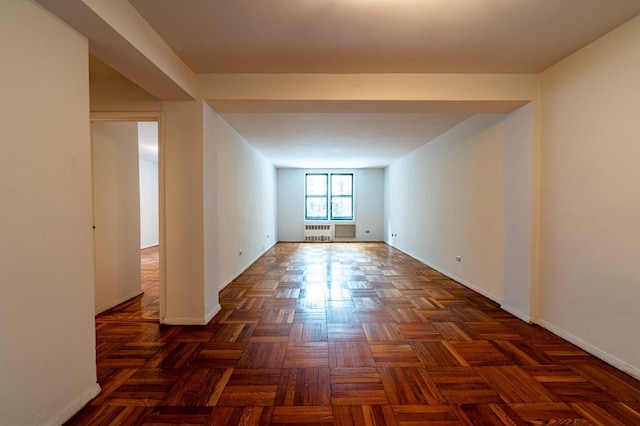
x=558, y=331
x=121, y=299
x=453, y=277
x=244, y=267
x=212, y=313
x=193, y=321
x=74, y=406
x=593, y=350
x=524, y=316
x=183, y=321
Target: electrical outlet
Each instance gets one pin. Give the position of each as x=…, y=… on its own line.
x=367, y=231
x=458, y=259
x=240, y=253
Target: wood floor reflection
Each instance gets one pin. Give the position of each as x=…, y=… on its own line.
x=351, y=334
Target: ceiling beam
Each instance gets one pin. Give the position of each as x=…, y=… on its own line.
x=120, y=37
x=402, y=93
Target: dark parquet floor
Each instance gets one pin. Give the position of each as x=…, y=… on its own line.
x=145, y=307
x=350, y=334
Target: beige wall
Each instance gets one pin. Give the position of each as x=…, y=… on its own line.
x=446, y=199
x=47, y=355
x=116, y=212
x=183, y=169
x=111, y=91
x=590, y=198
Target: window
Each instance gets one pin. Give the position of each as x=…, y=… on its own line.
x=328, y=196
x=342, y=196
x=316, y=195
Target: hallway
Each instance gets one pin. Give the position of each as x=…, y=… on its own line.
x=352, y=334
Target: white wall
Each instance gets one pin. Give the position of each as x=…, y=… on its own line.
x=210, y=214
x=520, y=191
x=116, y=215
x=590, y=198
x=246, y=202
x=368, y=199
x=290, y=204
x=446, y=199
x=149, y=213
x=47, y=360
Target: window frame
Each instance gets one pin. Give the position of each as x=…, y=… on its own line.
x=307, y=197
x=329, y=197
x=332, y=196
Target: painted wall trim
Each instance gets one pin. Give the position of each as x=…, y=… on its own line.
x=592, y=349
x=183, y=321
x=465, y=283
x=524, y=316
x=76, y=405
x=112, y=303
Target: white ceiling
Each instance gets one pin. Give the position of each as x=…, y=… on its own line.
x=369, y=36
x=339, y=140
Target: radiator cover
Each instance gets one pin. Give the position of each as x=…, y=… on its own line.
x=317, y=233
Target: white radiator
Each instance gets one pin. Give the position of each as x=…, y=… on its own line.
x=317, y=233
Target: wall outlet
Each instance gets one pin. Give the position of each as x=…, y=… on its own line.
x=367, y=231
x=458, y=259
x=240, y=253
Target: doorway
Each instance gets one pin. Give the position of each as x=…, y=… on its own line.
x=127, y=167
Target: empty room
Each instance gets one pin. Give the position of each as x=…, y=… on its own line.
x=362, y=212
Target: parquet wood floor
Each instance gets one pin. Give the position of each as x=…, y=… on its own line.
x=350, y=334
x=146, y=306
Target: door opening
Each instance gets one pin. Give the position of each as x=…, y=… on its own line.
x=128, y=206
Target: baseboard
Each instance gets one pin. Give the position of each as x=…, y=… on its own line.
x=560, y=332
x=524, y=316
x=76, y=405
x=212, y=313
x=119, y=300
x=453, y=277
x=593, y=350
x=243, y=268
x=193, y=321
x=183, y=321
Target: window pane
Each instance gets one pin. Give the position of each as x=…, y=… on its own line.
x=316, y=184
x=341, y=184
x=316, y=207
x=342, y=208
